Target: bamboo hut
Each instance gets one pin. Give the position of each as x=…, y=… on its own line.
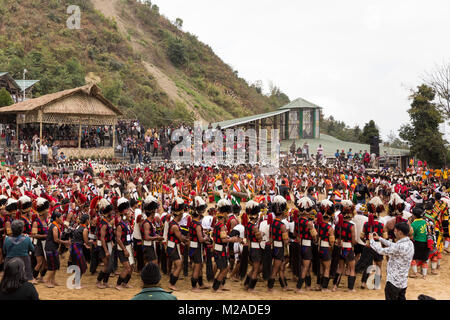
x=80, y=107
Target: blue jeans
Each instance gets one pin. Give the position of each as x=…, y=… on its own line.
x=8, y=141
x=124, y=151
x=44, y=159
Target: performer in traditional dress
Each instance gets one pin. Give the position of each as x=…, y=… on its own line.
x=123, y=241
x=105, y=235
x=432, y=237
x=420, y=237
x=80, y=239
x=254, y=238
x=148, y=230
x=306, y=234
x=326, y=242
x=221, y=239
x=197, y=243
x=39, y=232
x=173, y=241
x=346, y=235
x=279, y=238
x=396, y=207
x=53, y=241
x=375, y=207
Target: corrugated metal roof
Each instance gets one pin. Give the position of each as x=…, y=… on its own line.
x=10, y=78
x=236, y=122
x=331, y=144
x=25, y=84
x=300, y=103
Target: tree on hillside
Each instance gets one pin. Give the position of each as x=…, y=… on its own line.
x=422, y=133
x=370, y=130
x=5, y=98
x=178, y=23
x=439, y=80
x=357, y=133
x=394, y=141
x=177, y=52
x=258, y=85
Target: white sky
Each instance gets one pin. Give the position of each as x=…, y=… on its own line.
x=355, y=58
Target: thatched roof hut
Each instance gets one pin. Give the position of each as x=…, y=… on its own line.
x=83, y=106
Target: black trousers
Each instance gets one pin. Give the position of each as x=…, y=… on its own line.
x=393, y=293
x=139, y=255
x=94, y=260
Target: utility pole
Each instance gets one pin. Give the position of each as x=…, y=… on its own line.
x=24, y=72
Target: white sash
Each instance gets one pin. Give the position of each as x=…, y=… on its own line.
x=347, y=245
x=278, y=244
x=306, y=243
x=324, y=244
x=130, y=251
x=193, y=245
x=148, y=243
x=43, y=248
x=255, y=245
x=171, y=244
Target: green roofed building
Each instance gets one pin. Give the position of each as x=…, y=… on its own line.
x=16, y=87
x=297, y=120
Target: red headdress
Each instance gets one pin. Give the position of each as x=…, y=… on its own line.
x=244, y=219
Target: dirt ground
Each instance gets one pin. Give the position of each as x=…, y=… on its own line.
x=434, y=285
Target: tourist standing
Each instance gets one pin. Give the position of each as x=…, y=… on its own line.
x=43, y=150
x=400, y=257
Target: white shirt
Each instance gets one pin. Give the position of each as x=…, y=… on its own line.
x=264, y=228
x=43, y=149
x=359, y=221
x=400, y=256
x=184, y=221
x=206, y=222
x=137, y=231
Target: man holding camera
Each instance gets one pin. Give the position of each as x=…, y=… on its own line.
x=400, y=257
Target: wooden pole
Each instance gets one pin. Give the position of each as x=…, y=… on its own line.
x=79, y=136
x=17, y=131
x=114, y=137
x=40, y=124
x=40, y=133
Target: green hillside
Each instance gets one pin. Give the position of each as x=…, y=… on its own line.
x=143, y=62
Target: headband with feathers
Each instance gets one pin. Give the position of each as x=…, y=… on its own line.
x=11, y=205
x=375, y=205
x=252, y=208
x=123, y=204
x=42, y=204
x=150, y=203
